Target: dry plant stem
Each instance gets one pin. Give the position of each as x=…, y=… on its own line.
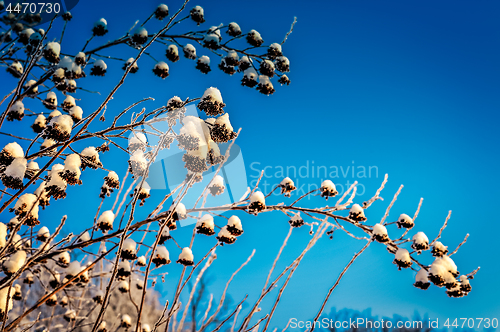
x=442, y=228
x=181, y=288
x=375, y=197
x=257, y=323
x=92, y=117
x=276, y=259
x=461, y=244
x=319, y=233
x=200, y=275
x=229, y=317
x=290, y=274
x=382, y=222
x=223, y=297
x=33, y=60
x=153, y=249
x=44, y=298
x=337, y=283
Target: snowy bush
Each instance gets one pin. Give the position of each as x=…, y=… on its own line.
x=102, y=278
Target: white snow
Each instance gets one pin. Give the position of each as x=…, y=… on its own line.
x=422, y=276
x=124, y=287
x=76, y=112
x=379, y=229
x=43, y=233
x=206, y=221
x=403, y=255
x=17, y=168
x=235, y=222
x=357, y=209
x=264, y=80
x=31, y=201
x=73, y=268
x=141, y=32
x=180, y=209
x=102, y=22
x=161, y=65
x=69, y=102
x=420, y=238
x=141, y=260
x=107, y=217
x=15, y=262
x=250, y=73
x=16, y=66
x=275, y=46
x=204, y=60
x=189, y=48
x=162, y=252
x=405, y=218
x=218, y=181
x=100, y=64
x=173, y=49
x=439, y=246
x=17, y=107
x=234, y=26
x=255, y=34
x=129, y=245
x=126, y=319
x=124, y=265
x=224, y=120
x=246, y=59
x=6, y=293
x=258, y=197
x=54, y=47
x=3, y=234
x=212, y=94
x=186, y=254
x=14, y=149
x=66, y=63
x=225, y=233
x=64, y=257
x=55, y=178
x=328, y=185
x=91, y=152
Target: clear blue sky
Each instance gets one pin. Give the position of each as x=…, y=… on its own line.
x=408, y=87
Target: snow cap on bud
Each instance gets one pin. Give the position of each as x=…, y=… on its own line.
x=43, y=234
x=129, y=249
x=357, y=213
x=16, y=111
x=257, y=202
x=420, y=242
x=265, y=86
x=205, y=225
x=186, y=257
x=161, y=12
x=422, y=280
x=234, y=226
x=233, y=29
x=328, y=189
x=405, y=221
x=100, y=27
x=162, y=256
x=211, y=102
x=197, y=15
x=105, y=221
x=161, y=70
x=99, y=68
x=225, y=236
x=402, y=258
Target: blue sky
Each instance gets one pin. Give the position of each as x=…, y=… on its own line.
x=410, y=88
